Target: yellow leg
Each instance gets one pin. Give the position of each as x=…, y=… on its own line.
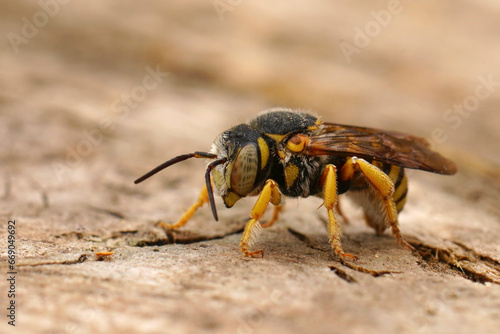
x=382, y=183
x=329, y=179
x=274, y=218
x=270, y=193
x=202, y=199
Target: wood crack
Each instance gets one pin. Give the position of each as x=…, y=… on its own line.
x=472, y=266
x=184, y=237
x=82, y=258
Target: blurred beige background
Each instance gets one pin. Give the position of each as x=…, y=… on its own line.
x=94, y=94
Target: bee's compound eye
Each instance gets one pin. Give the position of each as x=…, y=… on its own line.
x=244, y=170
x=297, y=143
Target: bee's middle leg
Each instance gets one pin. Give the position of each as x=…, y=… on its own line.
x=269, y=194
x=202, y=199
x=329, y=179
x=341, y=212
x=274, y=218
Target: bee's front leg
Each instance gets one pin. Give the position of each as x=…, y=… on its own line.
x=329, y=182
x=269, y=193
x=202, y=199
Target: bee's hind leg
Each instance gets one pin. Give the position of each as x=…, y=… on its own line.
x=202, y=199
x=341, y=213
x=269, y=194
x=382, y=184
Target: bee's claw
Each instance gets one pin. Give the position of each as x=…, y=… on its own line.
x=254, y=254
x=347, y=256
x=406, y=245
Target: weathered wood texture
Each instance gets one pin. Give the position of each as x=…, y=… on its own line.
x=82, y=116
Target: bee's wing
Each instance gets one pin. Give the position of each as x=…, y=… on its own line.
x=386, y=146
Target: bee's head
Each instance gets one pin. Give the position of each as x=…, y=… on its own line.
x=246, y=154
x=240, y=153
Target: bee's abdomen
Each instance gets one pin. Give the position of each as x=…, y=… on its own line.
x=400, y=189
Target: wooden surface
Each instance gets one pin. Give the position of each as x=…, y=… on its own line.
x=82, y=116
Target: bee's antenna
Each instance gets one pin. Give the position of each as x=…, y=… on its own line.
x=174, y=161
x=209, y=185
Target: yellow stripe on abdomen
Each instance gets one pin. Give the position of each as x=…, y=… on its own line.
x=401, y=189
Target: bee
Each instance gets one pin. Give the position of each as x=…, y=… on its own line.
x=291, y=153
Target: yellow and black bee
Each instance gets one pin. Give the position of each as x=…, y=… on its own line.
x=295, y=154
